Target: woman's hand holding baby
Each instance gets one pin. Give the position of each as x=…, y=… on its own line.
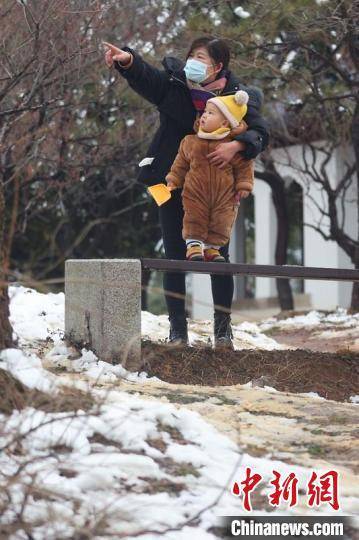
x=224, y=153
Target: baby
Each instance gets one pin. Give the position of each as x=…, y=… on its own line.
x=211, y=195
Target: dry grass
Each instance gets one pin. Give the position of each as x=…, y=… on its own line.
x=332, y=376
x=14, y=395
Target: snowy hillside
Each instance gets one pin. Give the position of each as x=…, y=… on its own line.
x=121, y=465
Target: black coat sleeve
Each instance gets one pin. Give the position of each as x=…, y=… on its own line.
x=148, y=81
x=257, y=136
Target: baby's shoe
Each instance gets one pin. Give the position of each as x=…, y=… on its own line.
x=213, y=255
x=194, y=253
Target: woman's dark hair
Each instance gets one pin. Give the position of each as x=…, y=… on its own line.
x=216, y=48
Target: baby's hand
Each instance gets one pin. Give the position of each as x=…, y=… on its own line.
x=171, y=185
x=242, y=194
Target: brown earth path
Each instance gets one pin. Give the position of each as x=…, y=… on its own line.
x=330, y=339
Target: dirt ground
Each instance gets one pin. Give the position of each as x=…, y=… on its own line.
x=330, y=339
x=333, y=376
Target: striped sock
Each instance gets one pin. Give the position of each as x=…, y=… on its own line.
x=191, y=242
x=208, y=246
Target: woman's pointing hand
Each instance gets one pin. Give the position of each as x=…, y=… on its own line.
x=115, y=54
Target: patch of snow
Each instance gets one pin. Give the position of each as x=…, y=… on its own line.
x=242, y=13
x=315, y=318
x=311, y=395
x=354, y=399
x=88, y=363
x=288, y=61
x=270, y=389
x=154, y=326
x=27, y=369
x=246, y=335
x=36, y=316
x=341, y=316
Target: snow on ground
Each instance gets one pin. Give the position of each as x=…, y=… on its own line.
x=340, y=317
x=338, y=329
x=246, y=335
x=94, y=480
x=38, y=323
x=36, y=316
x=129, y=465
x=62, y=356
x=27, y=368
x=110, y=469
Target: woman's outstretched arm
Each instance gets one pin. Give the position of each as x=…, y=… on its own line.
x=148, y=81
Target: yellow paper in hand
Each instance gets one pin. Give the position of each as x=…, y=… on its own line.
x=160, y=193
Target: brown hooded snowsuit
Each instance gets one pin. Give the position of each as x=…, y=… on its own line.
x=208, y=191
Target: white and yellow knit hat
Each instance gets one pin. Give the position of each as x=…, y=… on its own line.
x=233, y=107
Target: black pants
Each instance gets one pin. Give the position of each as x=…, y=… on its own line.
x=171, y=220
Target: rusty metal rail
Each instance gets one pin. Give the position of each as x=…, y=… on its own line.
x=262, y=270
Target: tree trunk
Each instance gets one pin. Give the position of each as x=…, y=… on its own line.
x=276, y=183
x=354, y=305
x=283, y=285
x=285, y=294
x=355, y=139
x=5, y=327
x=353, y=50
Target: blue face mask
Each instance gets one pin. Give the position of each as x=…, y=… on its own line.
x=195, y=70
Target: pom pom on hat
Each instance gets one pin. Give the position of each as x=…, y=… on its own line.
x=241, y=97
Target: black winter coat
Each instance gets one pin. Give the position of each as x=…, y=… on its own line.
x=167, y=89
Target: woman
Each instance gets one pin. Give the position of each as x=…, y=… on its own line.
x=180, y=92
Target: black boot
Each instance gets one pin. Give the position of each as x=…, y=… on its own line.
x=222, y=331
x=178, y=330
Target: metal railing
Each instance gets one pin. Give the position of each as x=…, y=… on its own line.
x=260, y=270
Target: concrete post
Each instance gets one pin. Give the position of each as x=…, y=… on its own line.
x=103, y=308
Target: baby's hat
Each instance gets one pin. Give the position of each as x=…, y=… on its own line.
x=234, y=107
